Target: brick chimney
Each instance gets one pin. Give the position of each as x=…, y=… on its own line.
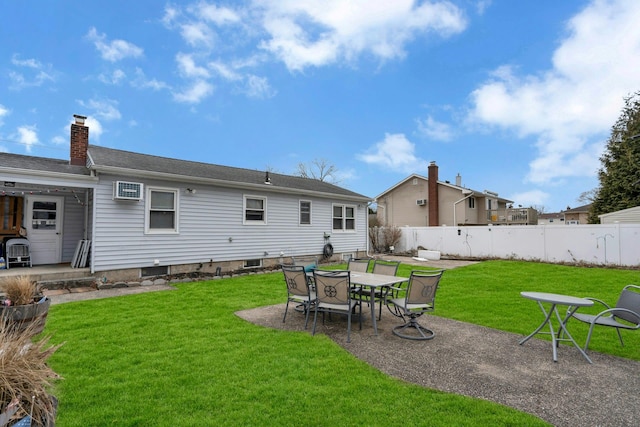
x=79, y=142
x=432, y=178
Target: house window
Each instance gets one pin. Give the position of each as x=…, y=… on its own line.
x=255, y=209
x=252, y=263
x=305, y=212
x=472, y=202
x=161, y=210
x=344, y=217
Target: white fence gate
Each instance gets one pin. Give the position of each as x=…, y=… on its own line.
x=600, y=244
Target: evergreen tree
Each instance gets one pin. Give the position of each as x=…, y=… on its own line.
x=619, y=175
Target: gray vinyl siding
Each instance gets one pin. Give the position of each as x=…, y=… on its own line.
x=207, y=220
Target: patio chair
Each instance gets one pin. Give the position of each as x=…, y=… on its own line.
x=388, y=268
x=299, y=290
x=359, y=264
x=419, y=298
x=309, y=262
x=333, y=295
x=625, y=314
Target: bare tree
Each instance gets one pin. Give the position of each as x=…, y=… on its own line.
x=319, y=169
x=587, y=197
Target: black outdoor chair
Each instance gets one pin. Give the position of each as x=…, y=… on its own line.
x=625, y=314
x=333, y=295
x=299, y=290
x=419, y=298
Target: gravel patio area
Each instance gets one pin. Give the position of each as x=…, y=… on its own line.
x=489, y=364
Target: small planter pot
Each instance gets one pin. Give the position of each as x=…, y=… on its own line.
x=27, y=316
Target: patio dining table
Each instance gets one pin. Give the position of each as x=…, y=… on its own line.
x=375, y=282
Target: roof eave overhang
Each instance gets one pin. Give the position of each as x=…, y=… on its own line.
x=40, y=177
x=224, y=183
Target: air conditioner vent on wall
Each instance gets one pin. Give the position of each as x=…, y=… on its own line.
x=123, y=190
x=421, y=202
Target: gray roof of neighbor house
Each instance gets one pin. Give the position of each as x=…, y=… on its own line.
x=109, y=160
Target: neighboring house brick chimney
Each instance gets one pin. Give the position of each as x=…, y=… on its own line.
x=434, y=220
x=79, y=141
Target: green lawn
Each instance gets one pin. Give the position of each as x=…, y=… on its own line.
x=182, y=358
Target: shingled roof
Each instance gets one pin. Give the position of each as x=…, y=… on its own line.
x=110, y=160
x=44, y=164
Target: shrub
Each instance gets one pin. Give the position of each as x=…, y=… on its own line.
x=25, y=375
x=20, y=290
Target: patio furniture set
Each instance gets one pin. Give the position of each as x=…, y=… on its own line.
x=375, y=282
x=365, y=281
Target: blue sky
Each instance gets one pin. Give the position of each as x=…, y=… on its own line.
x=518, y=97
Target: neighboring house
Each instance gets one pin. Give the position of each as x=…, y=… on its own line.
x=146, y=215
x=556, y=218
x=418, y=201
x=624, y=216
x=579, y=215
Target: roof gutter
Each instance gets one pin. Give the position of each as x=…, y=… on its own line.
x=48, y=178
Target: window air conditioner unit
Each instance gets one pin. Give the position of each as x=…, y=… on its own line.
x=123, y=190
x=421, y=202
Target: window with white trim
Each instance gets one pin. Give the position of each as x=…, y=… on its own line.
x=305, y=212
x=255, y=210
x=472, y=202
x=344, y=217
x=161, y=210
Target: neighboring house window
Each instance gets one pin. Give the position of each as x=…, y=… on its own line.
x=255, y=210
x=472, y=202
x=305, y=212
x=162, y=210
x=344, y=217
x=489, y=204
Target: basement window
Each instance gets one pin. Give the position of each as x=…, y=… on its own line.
x=154, y=271
x=252, y=263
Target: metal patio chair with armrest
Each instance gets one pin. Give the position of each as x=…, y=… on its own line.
x=625, y=314
x=387, y=268
x=299, y=290
x=419, y=298
x=333, y=295
x=359, y=264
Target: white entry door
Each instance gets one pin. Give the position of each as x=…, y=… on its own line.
x=43, y=221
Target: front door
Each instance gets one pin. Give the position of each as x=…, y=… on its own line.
x=43, y=221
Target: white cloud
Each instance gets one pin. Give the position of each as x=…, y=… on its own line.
x=4, y=111
x=433, y=129
x=28, y=136
x=115, y=50
x=195, y=93
x=530, y=198
x=188, y=68
x=141, y=81
x=197, y=34
x=258, y=87
x=300, y=33
x=105, y=109
x=217, y=15
x=571, y=107
x=95, y=128
x=318, y=33
x=394, y=153
x=115, y=78
x=31, y=74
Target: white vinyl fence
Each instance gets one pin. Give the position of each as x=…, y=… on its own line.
x=600, y=244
